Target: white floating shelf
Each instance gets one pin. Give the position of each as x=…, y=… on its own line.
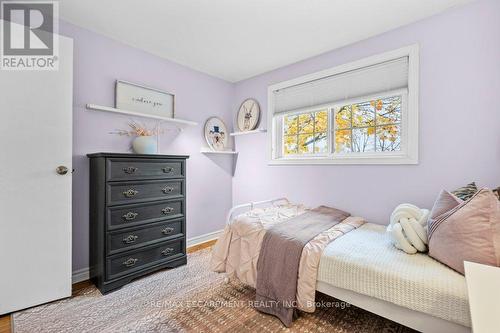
x=226, y=152
x=259, y=130
x=180, y=123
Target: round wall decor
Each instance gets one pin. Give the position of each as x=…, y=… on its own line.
x=248, y=115
x=216, y=133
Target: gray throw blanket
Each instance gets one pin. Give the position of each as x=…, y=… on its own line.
x=278, y=264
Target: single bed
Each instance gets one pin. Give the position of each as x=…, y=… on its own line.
x=366, y=270
x=363, y=268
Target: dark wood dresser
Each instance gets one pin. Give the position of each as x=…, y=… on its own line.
x=137, y=216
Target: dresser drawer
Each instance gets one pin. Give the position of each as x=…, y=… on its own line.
x=140, y=191
x=132, y=238
x=132, y=261
x=139, y=214
x=133, y=169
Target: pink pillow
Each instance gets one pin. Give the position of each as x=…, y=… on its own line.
x=444, y=203
x=469, y=230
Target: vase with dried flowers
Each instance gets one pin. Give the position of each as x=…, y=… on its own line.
x=146, y=139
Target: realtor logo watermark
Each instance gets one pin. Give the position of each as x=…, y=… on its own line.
x=29, y=35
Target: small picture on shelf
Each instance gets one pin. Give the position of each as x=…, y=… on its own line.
x=216, y=134
x=248, y=115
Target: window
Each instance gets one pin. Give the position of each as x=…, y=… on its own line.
x=305, y=133
x=363, y=112
x=369, y=126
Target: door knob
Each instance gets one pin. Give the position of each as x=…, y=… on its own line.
x=62, y=170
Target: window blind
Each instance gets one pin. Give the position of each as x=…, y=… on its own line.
x=360, y=82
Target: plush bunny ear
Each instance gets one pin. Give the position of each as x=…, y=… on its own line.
x=400, y=241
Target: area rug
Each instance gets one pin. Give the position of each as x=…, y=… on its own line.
x=190, y=298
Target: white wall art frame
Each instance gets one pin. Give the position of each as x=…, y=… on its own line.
x=144, y=100
x=216, y=134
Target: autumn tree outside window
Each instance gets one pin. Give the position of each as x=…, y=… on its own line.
x=358, y=113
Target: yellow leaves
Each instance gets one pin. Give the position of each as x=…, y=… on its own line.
x=290, y=124
x=321, y=121
x=343, y=116
x=305, y=133
x=390, y=111
x=368, y=126
x=362, y=115
x=289, y=139
x=389, y=138
x=306, y=123
x=290, y=144
x=342, y=141
x=372, y=125
x=305, y=143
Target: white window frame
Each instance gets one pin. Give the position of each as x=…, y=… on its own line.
x=409, y=117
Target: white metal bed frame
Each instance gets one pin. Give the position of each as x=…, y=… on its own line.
x=414, y=319
x=251, y=205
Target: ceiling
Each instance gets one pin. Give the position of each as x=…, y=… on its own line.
x=238, y=39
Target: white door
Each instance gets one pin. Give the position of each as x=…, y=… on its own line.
x=35, y=201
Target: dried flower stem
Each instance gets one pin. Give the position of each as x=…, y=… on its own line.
x=138, y=129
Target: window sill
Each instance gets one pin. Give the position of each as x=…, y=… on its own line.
x=402, y=159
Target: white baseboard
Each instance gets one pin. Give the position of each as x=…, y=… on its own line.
x=203, y=238
x=80, y=275
x=83, y=274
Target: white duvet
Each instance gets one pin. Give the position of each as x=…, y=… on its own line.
x=365, y=261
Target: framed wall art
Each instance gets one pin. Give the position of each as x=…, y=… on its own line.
x=148, y=101
x=216, y=134
x=248, y=115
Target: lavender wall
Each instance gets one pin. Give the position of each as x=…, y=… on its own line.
x=98, y=62
x=459, y=121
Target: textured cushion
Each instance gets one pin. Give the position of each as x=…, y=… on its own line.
x=466, y=192
x=408, y=228
x=469, y=231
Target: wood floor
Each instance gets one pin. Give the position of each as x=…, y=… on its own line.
x=5, y=321
x=201, y=246
x=5, y=324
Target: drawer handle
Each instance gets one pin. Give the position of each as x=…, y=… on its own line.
x=130, y=262
x=130, y=216
x=130, y=193
x=167, y=251
x=130, y=170
x=167, y=231
x=167, y=189
x=168, y=170
x=130, y=239
x=167, y=210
